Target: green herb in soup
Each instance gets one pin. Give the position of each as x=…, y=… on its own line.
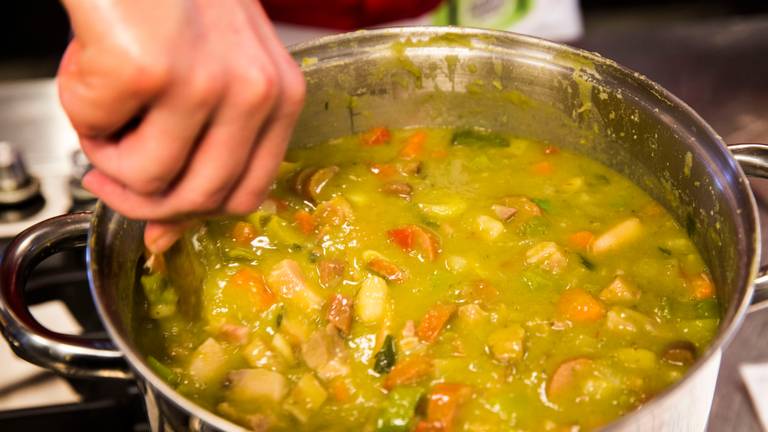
x=431, y=280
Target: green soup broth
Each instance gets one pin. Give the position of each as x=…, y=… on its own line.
x=431, y=280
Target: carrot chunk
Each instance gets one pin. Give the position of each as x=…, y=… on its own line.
x=581, y=239
x=243, y=233
x=252, y=283
x=409, y=371
x=375, y=137
x=701, y=287
x=433, y=322
x=443, y=402
x=414, y=145
x=543, y=168
x=305, y=221
x=383, y=170
x=577, y=305
x=413, y=238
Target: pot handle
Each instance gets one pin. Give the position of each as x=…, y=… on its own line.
x=69, y=355
x=753, y=159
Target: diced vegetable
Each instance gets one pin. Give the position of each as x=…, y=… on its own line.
x=371, y=300
x=209, y=363
x=680, y=353
x=245, y=290
x=564, y=377
x=506, y=344
x=340, y=390
x=408, y=371
x=581, y=239
x=259, y=355
x=547, y=255
x=433, y=322
x=383, y=170
x=305, y=221
x=488, y=227
x=330, y=272
x=443, y=402
x=455, y=264
x=620, y=291
x=524, y=206
x=414, y=145
x=701, y=287
x=408, y=167
x=448, y=207
x=333, y=213
x=283, y=347
x=277, y=229
x=340, y=313
x=385, y=359
x=477, y=137
x=163, y=371
x=484, y=291
x=551, y=150
x=306, y=397
x=579, y=306
x=287, y=280
x=375, y=137
x=255, y=385
x=618, y=236
x=243, y=233
x=413, y=238
x=398, y=411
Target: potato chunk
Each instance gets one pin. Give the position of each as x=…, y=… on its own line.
x=371, y=300
x=618, y=236
x=253, y=385
x=507, y=344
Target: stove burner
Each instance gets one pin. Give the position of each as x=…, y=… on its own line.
x=16, y=185
x=18, y=212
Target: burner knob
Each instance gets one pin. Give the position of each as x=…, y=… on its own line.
x=16, y=185
x=80, y=166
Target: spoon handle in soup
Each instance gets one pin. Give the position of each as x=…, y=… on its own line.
x=753, y=159
x=69, y=355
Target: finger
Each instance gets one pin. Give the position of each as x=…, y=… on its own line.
x=160, y=236
x=148, y=159
x=277, y=132
x=100, y=97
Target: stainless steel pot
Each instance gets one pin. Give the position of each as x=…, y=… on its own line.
x=447, y=77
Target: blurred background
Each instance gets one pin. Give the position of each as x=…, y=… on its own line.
x=713, y=54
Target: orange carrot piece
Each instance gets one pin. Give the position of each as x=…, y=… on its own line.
x=243, y=233
x=375, y=137
x=550, y=150
x=439, y=154
x=542, y=168
x=581, y=239
x=577, y=305
x=305, y=221
x=701, y=287
x=433, y=322
x=339, y=390
x=252, y=282
x=412, y=238
x=414, y=145
x=408, y=371
x=443, y=402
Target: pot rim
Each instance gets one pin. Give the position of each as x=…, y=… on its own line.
x=726, y=333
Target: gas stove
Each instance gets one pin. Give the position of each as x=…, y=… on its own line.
x=40, y=172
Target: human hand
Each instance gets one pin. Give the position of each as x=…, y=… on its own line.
x=184, y=107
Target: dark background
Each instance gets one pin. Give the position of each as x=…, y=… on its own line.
x=34, y=33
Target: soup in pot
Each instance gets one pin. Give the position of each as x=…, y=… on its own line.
x=430, y=280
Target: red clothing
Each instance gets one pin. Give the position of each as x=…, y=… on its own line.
x=345, y=14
